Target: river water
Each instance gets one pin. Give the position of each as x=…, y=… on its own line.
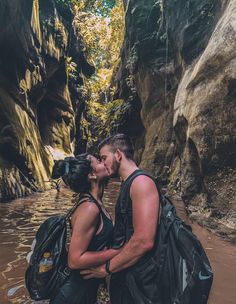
x=19, y=221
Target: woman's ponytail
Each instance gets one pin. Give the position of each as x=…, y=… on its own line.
x=59, y=169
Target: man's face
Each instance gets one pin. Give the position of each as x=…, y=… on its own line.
x=110, y=161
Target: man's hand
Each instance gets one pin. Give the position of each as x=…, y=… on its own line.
x=96, y=272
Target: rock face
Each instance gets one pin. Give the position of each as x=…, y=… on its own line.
x=179, y=57
x=37, y=105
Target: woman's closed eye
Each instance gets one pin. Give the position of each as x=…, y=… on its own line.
x=97, y=157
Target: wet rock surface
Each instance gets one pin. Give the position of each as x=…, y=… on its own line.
x=178, y=67
x=38, y=99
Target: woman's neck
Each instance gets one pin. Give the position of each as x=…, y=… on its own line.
x=97, y=191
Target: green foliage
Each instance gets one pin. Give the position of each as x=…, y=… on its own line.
x=104, y=119
x=71, y=68
x=101, y=7
x=102, y=33
x=67, y=3
x=116, y=111
x=101, y=24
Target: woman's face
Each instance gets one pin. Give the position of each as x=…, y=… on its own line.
x=98, y=167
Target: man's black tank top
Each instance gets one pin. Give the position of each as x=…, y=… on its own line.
x=120, y=234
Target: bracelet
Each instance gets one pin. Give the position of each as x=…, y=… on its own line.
x=107, y=265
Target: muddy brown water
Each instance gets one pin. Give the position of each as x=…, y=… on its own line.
x=20, y=219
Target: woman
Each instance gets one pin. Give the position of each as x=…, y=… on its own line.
x=91, y=227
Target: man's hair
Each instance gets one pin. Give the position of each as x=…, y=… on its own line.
x=119, y=141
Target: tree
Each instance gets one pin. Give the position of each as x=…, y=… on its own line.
x=101, y=24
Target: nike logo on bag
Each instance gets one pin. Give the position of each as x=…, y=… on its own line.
x=203, y=277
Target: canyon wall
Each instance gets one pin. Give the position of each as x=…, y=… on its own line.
x=179, y=67
x=38, y=99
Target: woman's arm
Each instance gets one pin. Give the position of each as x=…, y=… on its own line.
x=84, y=223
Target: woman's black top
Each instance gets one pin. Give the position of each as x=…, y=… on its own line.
x=77, y=290
x=104, y=237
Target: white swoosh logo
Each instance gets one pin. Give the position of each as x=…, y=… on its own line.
x=203, y=277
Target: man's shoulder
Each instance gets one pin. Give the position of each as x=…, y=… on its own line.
x=144, y=189
x=143, y=176
x=143, y=182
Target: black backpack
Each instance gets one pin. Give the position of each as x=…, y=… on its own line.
x=177, y=270
x=51, y=237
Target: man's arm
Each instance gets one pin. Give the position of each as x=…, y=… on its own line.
x=145, y=206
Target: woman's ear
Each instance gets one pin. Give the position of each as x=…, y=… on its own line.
x=92, y=176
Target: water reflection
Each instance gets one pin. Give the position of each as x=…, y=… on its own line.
x=19, y=222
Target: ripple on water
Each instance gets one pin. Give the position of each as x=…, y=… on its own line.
x=20, y=220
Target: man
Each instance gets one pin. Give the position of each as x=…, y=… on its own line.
x=143, y=210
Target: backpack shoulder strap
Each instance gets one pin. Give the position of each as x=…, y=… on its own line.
x=127, y=184
x=125, y=195
x=80, y=199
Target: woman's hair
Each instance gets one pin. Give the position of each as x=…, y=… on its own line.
x=74, y=172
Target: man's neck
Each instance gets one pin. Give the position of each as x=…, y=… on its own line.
x=127, y=168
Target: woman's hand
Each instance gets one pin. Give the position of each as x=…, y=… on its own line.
x=95, y=272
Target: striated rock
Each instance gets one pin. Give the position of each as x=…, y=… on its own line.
x=37, y=108
x=179, y=57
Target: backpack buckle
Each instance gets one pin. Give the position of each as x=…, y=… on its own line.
x=67, y=271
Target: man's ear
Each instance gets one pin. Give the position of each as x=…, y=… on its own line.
x=119, y=154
